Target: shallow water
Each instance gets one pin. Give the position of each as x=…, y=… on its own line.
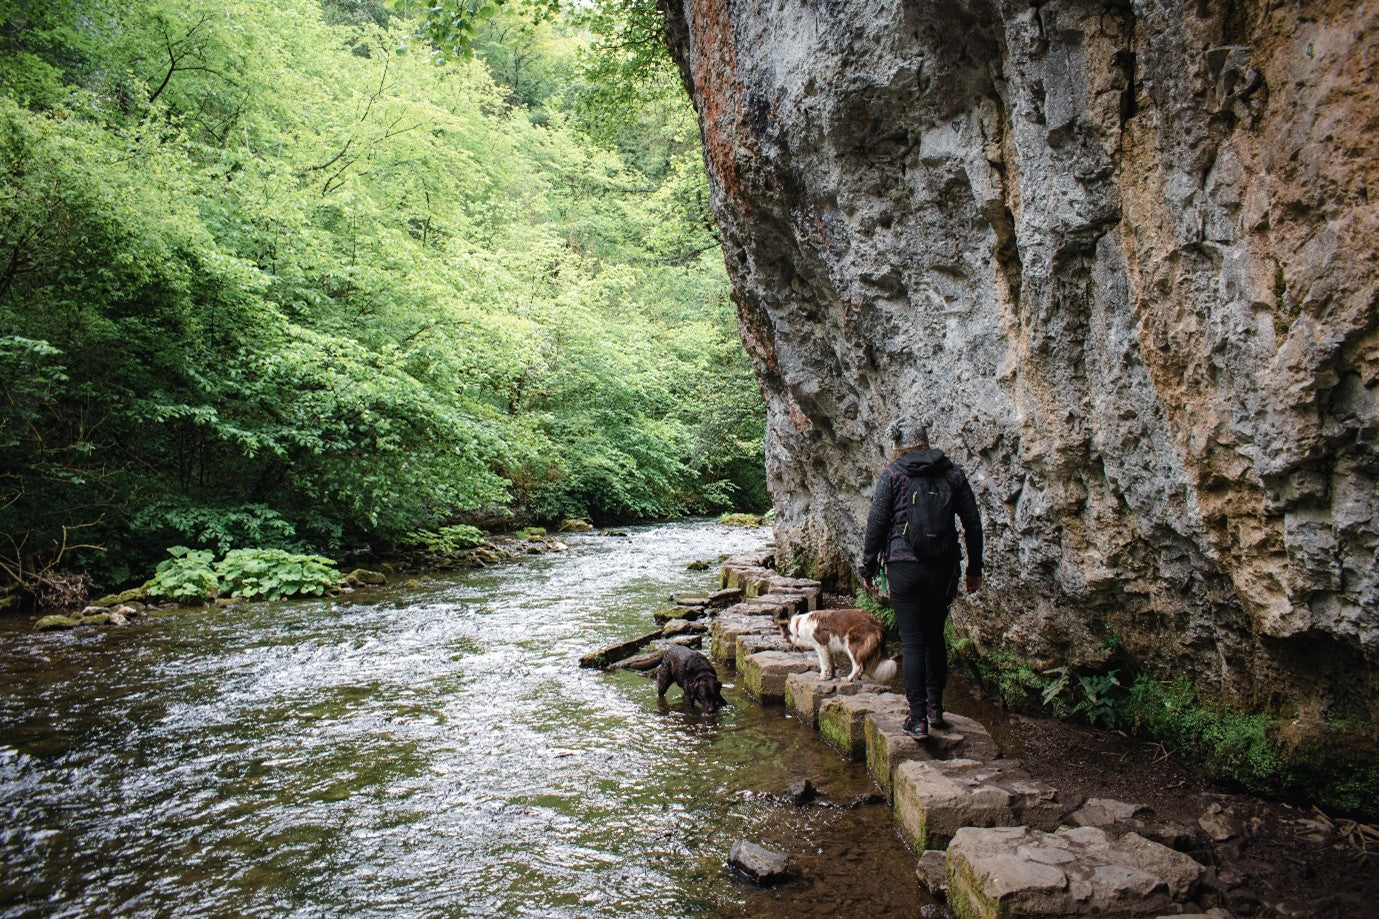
x=430, y=751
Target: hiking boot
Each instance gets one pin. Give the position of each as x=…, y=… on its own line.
x=916, y=727
x=936, y=717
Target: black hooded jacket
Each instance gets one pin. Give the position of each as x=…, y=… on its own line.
x=886, y=521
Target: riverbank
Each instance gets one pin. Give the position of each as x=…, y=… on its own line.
x=1240, y=855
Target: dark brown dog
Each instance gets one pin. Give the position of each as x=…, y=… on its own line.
x=695, y=676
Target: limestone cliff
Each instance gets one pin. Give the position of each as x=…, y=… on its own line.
x=1122, y=257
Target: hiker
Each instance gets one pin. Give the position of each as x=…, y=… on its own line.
x=911, y=538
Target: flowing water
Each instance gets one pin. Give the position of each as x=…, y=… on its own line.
x=425, y=751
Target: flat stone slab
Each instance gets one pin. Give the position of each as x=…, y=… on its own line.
x=842, y=719
x=752, y=642
x=763, y=673
x=888, y=745
x=1015, y=872
x=810, y=589
x=805, y=692
x=935, y=798
x=729, y=627
x=748, y=577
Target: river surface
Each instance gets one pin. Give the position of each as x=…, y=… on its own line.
x=431, y=750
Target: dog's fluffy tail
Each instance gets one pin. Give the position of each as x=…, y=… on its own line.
x=884, y=672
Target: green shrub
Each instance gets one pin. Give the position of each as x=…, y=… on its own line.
x=190, y=576
x=448, y=540
x=187, y=576
x=272, y=574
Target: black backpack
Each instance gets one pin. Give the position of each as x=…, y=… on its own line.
x=929, y=516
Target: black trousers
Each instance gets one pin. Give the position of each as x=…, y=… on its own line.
x=920, y=594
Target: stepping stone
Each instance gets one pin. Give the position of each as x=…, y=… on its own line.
x=805, y=692
x=777, y=605
x=726, y=597
x=764, y=673
x=888, y=745
x=752, y=642
x=842, y=719
x=810, y=589
x=748, y=577
x=1016, y=872
x=731, y=626
x=934, y=798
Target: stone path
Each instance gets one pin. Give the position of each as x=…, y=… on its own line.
x=988, y=838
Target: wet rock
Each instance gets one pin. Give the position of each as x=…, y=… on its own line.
x=616, y=652
x=764, y=672
x=127, y=596
x=933, y=799
x=117, y=618
x=683, y=627
x=808, y=588
x=696, y=602
x=935, y=911
x=96, y=619
x=641, y=661
x=573, y=525
x=887, y=744
x=662, y=616
x=725, y=597
x=56, y=622
x=363, y=577
x=805, y=692
x=731, y=626
x=933, y=872
x=699, y=565
x=842, y=719
x=747, y=645
x=1017, y=871
x=801, y=792
x=759, y=865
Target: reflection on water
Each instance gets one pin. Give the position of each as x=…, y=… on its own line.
x=436, y=751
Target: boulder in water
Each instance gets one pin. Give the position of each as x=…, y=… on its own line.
x=758, y=865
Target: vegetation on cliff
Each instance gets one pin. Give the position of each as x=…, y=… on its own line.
x=283, y=276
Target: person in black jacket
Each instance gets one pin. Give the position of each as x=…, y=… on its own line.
x=921, y=588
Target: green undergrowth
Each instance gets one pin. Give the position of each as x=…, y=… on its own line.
x=193, y=575
x=1305, y=759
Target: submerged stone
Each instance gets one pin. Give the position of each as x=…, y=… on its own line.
x=759, y=865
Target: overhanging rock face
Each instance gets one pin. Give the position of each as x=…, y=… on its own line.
x=1121, y=258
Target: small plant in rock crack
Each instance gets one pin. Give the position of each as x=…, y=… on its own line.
x=1100, y=700
x=1094, y=698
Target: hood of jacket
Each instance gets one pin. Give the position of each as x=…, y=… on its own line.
x=919, y=463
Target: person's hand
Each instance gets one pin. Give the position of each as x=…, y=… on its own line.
x=869, y=584
x=974, y=583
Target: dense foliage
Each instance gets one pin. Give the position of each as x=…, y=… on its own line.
x=282, y=275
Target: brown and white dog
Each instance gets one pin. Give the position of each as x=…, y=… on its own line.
x=855, y=632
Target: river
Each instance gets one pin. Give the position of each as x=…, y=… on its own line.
x=431, y=750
